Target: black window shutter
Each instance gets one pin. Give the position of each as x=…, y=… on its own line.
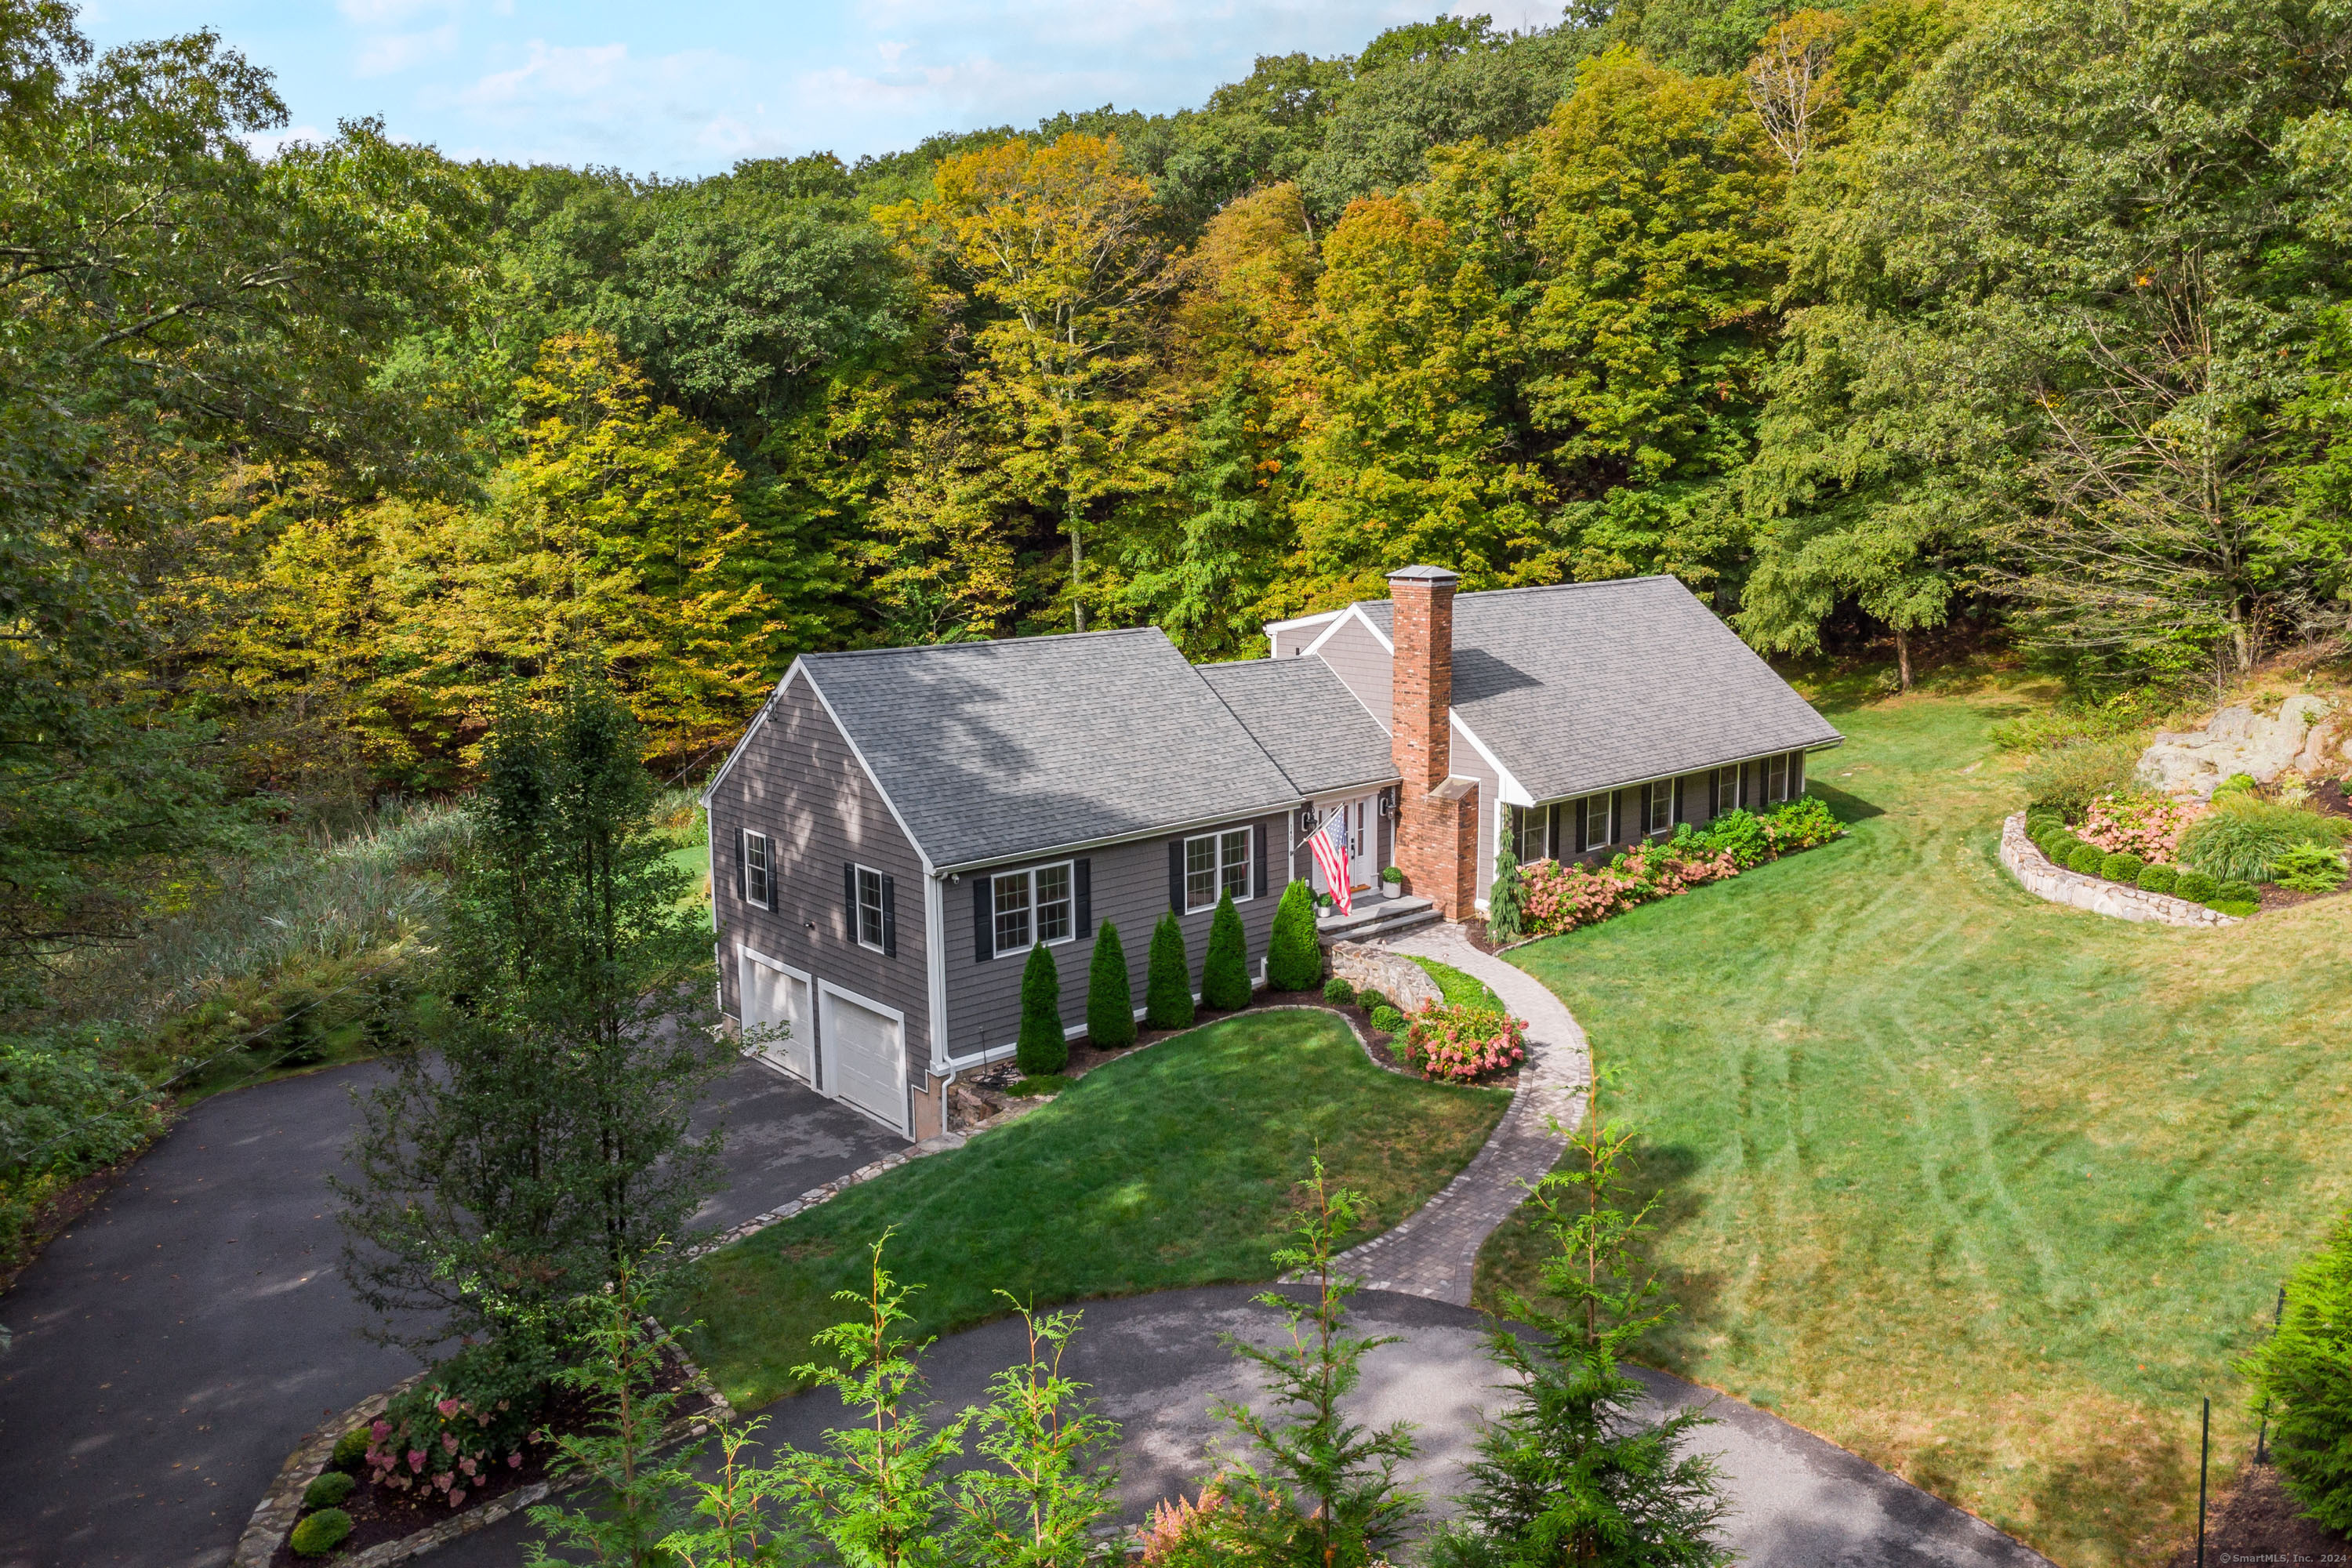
x=984, y=920
x=1082, y=888
x=849, y=894
x=890, y=919
x=1176, y=875
x=1796, y=774
x=1257, y=851
x=1677, y=787
x=1551, y=832
x=1576, y=818
x=738, y=863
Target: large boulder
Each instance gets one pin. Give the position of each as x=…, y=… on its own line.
x=2239, y=740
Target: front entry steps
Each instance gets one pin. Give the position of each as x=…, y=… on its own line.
x=1375, y=917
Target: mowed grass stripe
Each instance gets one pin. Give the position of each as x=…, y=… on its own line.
x=1990, y=1191
x=1175, y=1166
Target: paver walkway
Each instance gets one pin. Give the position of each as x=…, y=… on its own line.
x=1435, y=1252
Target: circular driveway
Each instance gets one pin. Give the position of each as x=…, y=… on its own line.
x=174, y=1346
x=1156, y=1366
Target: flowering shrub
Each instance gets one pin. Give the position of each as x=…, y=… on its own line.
x=1463, y=1045
x=1563, y=897
x=2146, y=825
x=449, y=1433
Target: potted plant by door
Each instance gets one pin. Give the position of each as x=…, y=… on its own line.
x=1392, y=882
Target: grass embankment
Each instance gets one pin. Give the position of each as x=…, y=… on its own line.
x=1989, y=1191
x=1460, y=990
x=1170, y=1167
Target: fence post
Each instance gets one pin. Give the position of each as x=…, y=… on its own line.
x=2204, y=1447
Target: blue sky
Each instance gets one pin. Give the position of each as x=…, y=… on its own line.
x=686, y=88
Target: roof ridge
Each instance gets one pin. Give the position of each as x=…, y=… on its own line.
x=1546, y=587
x=839, y=653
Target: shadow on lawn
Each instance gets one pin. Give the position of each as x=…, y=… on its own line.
x=1846, y=808
x=1660, y=1176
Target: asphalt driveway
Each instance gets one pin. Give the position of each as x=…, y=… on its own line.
x=176, y=1343
x=1156, y=1366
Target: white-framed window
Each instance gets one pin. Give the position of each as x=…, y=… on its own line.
x=870, y=932
x=1596, y=822
x=1776, y=778
x=1217, y=863
x=1661, y=807
x=759, y=871
x=1530, y=833
x=1726, y=790
x=1034, y=905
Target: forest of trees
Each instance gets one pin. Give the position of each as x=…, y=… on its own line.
x=2030, y=313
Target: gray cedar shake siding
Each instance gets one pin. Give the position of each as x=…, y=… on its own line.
x=797, y=781
x=1128, y=884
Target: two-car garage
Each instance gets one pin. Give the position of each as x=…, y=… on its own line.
x=845, y=1046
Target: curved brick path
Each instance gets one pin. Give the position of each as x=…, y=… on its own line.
x=1435, y=1252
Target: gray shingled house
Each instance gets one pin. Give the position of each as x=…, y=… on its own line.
x=898, y=827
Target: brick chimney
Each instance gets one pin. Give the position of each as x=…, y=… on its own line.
x=1437, y=813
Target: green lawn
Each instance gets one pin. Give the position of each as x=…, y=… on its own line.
x=1460, y=990
x=1989, y=1191
x=1174, y=1166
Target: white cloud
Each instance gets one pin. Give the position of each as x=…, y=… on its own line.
x=386, y=52
x=550, y=71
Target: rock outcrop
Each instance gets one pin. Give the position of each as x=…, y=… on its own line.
x=2301, y=737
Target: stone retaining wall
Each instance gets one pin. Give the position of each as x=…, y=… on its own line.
x=2045, y=880
x=1405, y=984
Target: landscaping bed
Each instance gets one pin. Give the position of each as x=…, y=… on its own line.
x=380, y=1514
x=1988, y=1194
x=1169, y=1166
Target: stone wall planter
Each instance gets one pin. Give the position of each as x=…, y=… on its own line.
x=1405, y=984
x=2043, y=879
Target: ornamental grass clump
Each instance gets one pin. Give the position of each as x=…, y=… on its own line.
x=2241, y=838
x=1463, y=1044
x=2069, y=778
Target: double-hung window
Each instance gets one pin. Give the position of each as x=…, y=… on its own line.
x=1217, y=863
x=1661, y=807
x=1775, y=779
x=1596, y=822
x=1726, y=790
x=759, y=874
x=871, y=931
x=1033, y=905
x=1530, y=833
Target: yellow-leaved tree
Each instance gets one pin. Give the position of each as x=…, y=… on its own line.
x=1055, y=248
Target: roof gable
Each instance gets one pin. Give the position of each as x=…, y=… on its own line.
x=995, y=750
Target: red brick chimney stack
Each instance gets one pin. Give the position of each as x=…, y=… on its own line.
x=1437, y=816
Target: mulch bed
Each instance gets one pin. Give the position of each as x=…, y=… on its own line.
x=988, y=1085
x=2259, y=1522
x=380, y=1514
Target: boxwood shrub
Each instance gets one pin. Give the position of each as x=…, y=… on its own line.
x=351, y=1448
x=2156, y=879
x=2194, y=886
x=2085, y=859
x=327, y=1491
x=2237, y=893
x=1388, y=1020
x=1338, y=991
x=2122, y=867
x=320, y=1533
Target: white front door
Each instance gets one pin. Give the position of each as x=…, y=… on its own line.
x=865, y=1056
x=1360, y=820
x=775, y=993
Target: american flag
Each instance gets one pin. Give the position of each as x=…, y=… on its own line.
x=1331, y=848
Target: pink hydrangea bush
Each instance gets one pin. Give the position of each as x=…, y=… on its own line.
x=1563, y=897
x=2146, y=825
x=1463, y=1044
x=432, y=1442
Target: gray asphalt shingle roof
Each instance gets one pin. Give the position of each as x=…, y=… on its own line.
x=1585, y=686
x=997, y=750
x=1308, y=721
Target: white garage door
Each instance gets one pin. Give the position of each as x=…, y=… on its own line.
x=865, y=1059
x=773, y=995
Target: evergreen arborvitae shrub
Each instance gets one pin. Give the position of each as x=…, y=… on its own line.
x=1338, y=991
x=1110, y=1001
x=2304, y=1373
x=320, y=1533
x=1225, y=973
x=1042, y=1048
x=328, y=1490
x=2194, y=886
x=2121, y=868
x=2085, y=859
x=1294, y=959
x=2157, y=879
x=1167, y=984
